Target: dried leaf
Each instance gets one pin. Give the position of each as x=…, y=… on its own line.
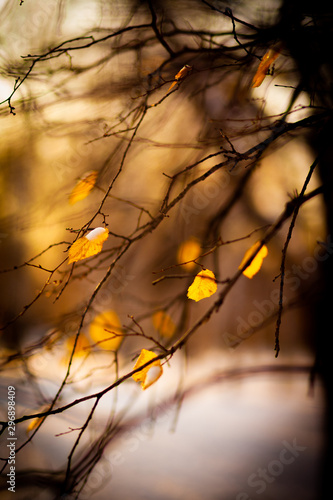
x=188, y=251
x=106, y=330
x=204, y=285
x=88, y=245
x=263, y=67
x=256, y=263
x=163, y=324
x=148, y=375
x=83, y=187
x=180, y=75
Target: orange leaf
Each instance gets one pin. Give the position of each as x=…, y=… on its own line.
x=34, y=423
x=188, y=251
x=83, y=187
x=148, y=375
x=106, y=331
x=263, y=67
x=163, y=324
x=88, y=245
x=204, y=285
x=256, y=263
x=180, y=75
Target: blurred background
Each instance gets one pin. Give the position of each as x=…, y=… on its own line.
x=216, y=424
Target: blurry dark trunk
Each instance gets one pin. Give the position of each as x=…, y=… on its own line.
x=325, y=302
x=310, y=45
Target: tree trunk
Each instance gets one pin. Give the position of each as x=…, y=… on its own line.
x=306, y=28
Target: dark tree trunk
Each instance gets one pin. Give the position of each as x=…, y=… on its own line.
x=307, y=30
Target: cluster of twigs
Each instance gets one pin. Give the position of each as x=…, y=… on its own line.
x=222, y=59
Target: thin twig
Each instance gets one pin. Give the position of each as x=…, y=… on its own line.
x=300, y=199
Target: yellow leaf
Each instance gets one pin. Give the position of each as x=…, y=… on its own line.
x=106, y=331
x=88, y=245
x=263, y=67
x=83, y=187
x=204, y=285
x=163, y=324
x=256, y=263
x=180, y=75
x=148, y=375
x=34, y=423
x=188, y=251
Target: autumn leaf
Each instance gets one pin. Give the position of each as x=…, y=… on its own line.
x=256, y=263
x=88, y=245
x=188, y=251
x=180, y=75
x=263, y=67
x=148, y=375
x=34, y=423
x=83, y=187
x=163, y=324
x=106, y=331
x=204, y=285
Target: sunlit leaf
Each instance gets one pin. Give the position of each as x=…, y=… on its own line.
x=204, y=285
x=153, y=374
x=263, y=67
x=106, y=331
x=180, y=75
x=88, y=245
x=83, y=187
x=256, y=263
x=34, y=423
x=148, y=375
x=188, y=251
x=163, y=324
